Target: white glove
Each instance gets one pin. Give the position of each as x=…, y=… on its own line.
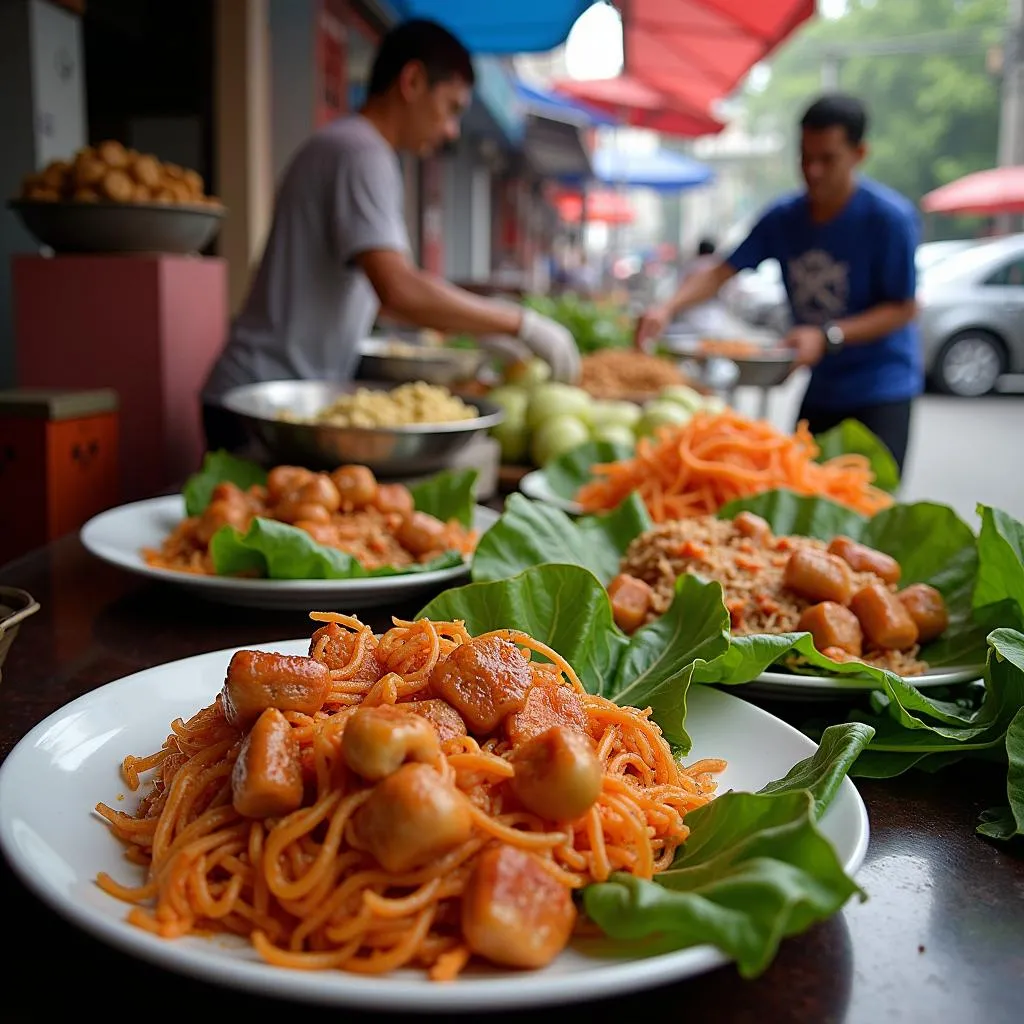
x=553, y=343
x=504, y=347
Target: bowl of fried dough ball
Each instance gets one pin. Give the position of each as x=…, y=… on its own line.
x=109, y=198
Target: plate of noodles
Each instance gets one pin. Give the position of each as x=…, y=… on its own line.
x=434, y=812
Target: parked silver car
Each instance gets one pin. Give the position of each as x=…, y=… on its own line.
x=972, y=317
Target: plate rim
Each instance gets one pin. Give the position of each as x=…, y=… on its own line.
x=175, y=503
x=858, y=684
x=505, y=991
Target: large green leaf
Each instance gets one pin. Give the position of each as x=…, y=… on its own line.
x=852, y=437
x=532, y=533
x=447, y=495
x=753, y=870
x=219, y=467
x=278, y=551
x=1001, y=546
x=570, y=471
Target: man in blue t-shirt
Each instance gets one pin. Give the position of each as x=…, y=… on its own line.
x=846, y=248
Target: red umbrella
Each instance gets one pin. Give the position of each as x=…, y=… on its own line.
x=683, y=55
x=603, y=206
x=999, y=190
x=701, y=49
x=631, y=101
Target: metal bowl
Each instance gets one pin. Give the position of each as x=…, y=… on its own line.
x=120, y=227
x=765, y=369
x=388, y=451
x=384, y=359
x=15, y=606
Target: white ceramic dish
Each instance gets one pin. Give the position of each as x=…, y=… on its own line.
x=797, y=686
x=118, y=536
x=535, y=486
x=54, y=777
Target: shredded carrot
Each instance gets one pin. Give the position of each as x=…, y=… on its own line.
x=695, y=468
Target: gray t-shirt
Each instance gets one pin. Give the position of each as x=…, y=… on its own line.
x=310, y=303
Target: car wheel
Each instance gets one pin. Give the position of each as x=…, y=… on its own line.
x=970, y=364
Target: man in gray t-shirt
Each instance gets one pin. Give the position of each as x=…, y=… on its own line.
x=338, y=249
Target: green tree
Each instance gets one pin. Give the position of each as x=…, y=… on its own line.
x=934, y=116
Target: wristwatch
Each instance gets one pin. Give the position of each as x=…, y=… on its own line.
x=834, y=338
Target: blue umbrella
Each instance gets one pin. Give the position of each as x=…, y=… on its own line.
x=560, y=108
x=662, y=169
x=533, y=26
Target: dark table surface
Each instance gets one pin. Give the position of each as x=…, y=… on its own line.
x=940, y=937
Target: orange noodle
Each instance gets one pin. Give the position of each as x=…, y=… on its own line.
x=307, y=886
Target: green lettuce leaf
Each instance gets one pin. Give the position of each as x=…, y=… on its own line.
x=277, y=551
x=1001, y=547
x=532, y=533
x=447, y=495
x=754, y=869
x=569, y=472
x=218, y=467
x=851, y=436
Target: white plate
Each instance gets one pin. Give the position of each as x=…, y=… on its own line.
x=535, y=485
x=797, y=686
x=119, y=535
x=54, y=777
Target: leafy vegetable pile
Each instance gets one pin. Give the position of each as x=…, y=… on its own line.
x=278, y=551
x=755, y=867
x=594, y=325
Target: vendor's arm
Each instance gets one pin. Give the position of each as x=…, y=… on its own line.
x=698, y=287
x=895, y=276
x=370, y=232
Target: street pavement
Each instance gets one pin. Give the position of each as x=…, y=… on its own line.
x=962, y=450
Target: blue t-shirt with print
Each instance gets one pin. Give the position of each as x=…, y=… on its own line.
x=864, y=256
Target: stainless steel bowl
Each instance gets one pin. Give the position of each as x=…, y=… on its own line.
x=765, y=369
x=384, y=359
x=388, y=451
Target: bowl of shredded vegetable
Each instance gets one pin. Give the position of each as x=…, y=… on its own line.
x=15, y=607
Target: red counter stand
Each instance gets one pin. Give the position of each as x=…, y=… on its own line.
x=148, y=326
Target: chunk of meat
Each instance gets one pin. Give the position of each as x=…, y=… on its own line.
x=631, y=600
x=484, y=680
x=818, y=576
x=558, y=775
x=284, y=481
x=514, y=913
x=257, y=680
x=753, y=526
x=222, y=512
x=447, y=722
x=379, y=740
x=927, y=608
x=886, y=622
x=320, y=490
x=393, y=499
x=547, y=706
x=357, y=486
x=861, y=558
x=266, y=780
x=337, y=652
x=832, y=625
x=410, y=818
x=420, y=533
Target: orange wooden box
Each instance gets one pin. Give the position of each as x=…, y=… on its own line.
x=58, y=464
